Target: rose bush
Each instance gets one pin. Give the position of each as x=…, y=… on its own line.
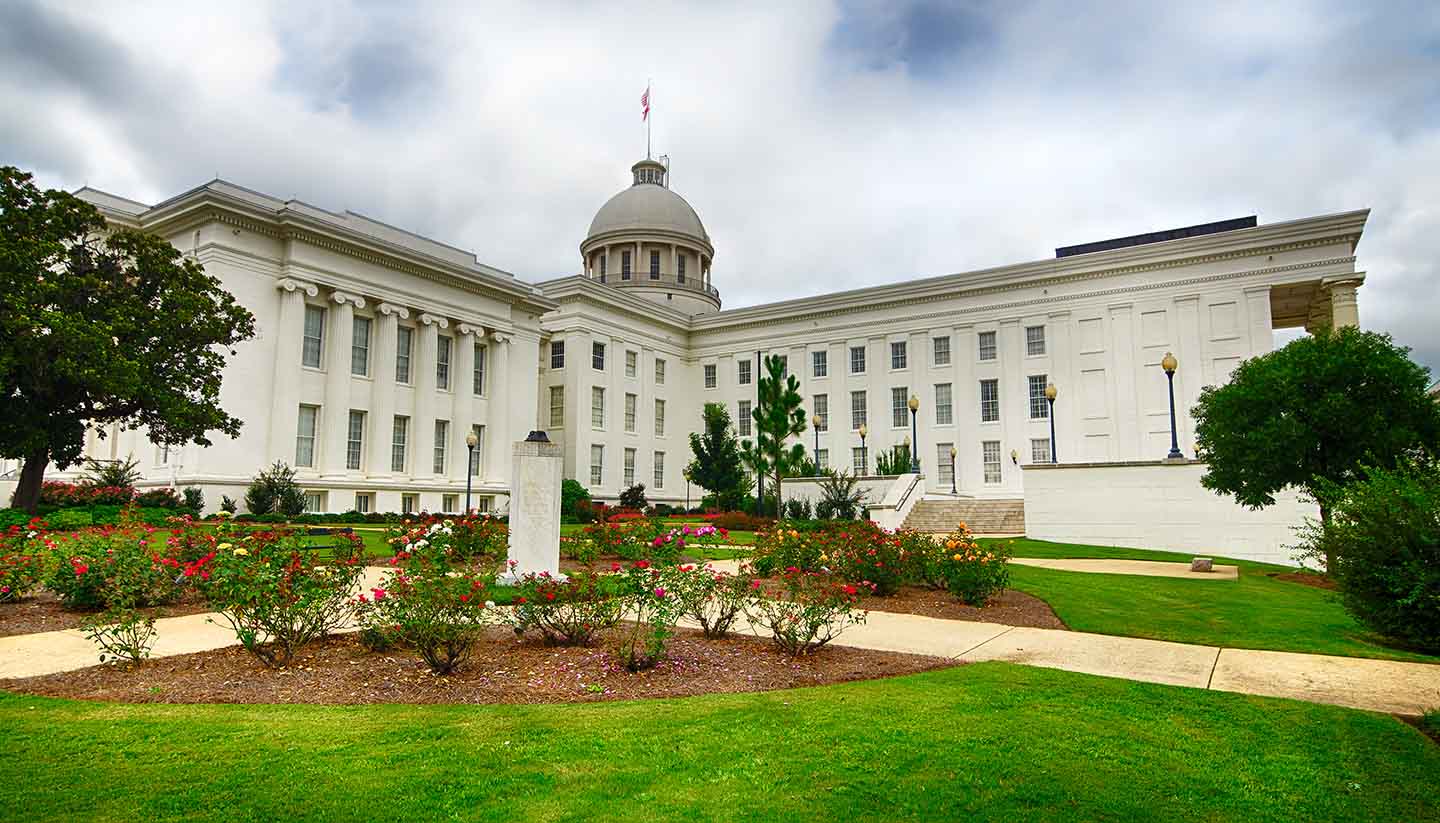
x=22, y=561
x=84, y=566
x=714, y=599
x=570, y=612
x=811, y=610
x=972, y=573
x=653, y=610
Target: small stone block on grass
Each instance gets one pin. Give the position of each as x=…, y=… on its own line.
x=1202, y=564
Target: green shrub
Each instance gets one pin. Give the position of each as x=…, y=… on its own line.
x=809, y=612
x=227, y=504
x=158, y=499
x=571, y=613
x=70, y=519
x=633, y=497
x=571, y=492
x=99, y=568
x=274, y=490
x=741, y=522
x=972, y=573
x=22, y=562
x=1384, y=533
x=194, y=498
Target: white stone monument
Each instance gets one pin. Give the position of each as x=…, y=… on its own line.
x=537, y=470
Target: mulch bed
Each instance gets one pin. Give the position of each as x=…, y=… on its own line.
x=1419, y=723
x=502, y=669
x=1011, y=608
x=42, y=612
x=1319, y=581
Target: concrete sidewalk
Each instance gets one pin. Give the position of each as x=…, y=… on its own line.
x=1144, y=568
x=1376, y=685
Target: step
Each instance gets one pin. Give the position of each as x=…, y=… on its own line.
x=982, y=516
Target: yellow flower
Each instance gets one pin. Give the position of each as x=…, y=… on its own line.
x=223, y=546
x=240, y=552
x=957, y=558
x=950, y=544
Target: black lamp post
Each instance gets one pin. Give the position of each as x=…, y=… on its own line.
x=815, y=424
x=1170, y=364
x=1050, y=392
x=471, y=441
x=864, y=454
x=952, y=470
x=914, y=405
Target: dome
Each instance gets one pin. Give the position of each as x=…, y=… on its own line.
x=648, y=205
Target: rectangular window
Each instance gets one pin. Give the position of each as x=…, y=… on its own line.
x=659, y=418
x=659, y=470
x=858, y=416
x=314, y=337
x=360, y=346
x=409, y=503
x=597, y=356
x=857, y=359
x=898, y=358
x=557, y=354
x=597, y=463
x=476, y=457
x=485, y=503
x=654, y=265
x=989, y=401
x=1040, y=450
x=314, y=502
x=399, y=435
x=990, y=453
x=819, y=365
x=404, y=336
x=858, y=462
x=743, y=375
x=945, y=462
x=987, y=345
x=629, y=468
x=822, y=411
x=900, y=407
x=442, y=439
x=1039, y=408
x=822, y=460
x=630, y=401
x=944, y=407
x=557, y=407
x=355, y=440
x=449, y=503
x=659, y=372
x=363, y=502
x=632, y=363
x=710, y=376
x=625, y=265
x=940, y=350
x=597, y=407
x=680, y=273
x=478, y=378
x=305, y=436
x=1034, y=340
x=442, y=363
x=742, y=417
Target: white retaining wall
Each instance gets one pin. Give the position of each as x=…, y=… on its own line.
x=1157, y=505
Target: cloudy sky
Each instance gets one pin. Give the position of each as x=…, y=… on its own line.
x=825, y=145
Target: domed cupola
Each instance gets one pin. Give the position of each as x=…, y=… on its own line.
x=648, y=239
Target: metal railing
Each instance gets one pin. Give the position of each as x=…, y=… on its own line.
x=662, y=279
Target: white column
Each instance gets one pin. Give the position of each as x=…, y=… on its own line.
x=336, y=413
x=498, y=435
x=1261, y=326
x=422, y=424
x=289, y=334
x=382, y=388
x=1344, y=308
x=674, y=266
x=462, y=416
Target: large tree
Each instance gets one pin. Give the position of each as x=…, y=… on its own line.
x=102, y=325
x=715, y=466
x=1313, y=415
x=778, y=416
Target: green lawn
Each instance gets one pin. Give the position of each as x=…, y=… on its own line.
x=984, y=742
x=1254, y=612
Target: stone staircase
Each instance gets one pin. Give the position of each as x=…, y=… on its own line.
x=982, y=516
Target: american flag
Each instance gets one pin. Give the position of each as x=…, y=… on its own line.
x=645, y=104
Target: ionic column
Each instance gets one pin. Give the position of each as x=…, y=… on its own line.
x=461, y=413
x=382, y=389
x=289, y=335
x=422, y=425
x=336, y=415
x=497, y=425
x=1344, y=308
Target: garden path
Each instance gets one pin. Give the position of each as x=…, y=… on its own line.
x=1145, y=568
x=1377, y=685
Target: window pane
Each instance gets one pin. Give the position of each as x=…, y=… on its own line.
x=597, y=407
x=899, y=407
x=478, y=378
x=442, y=438
x=360, y=346
x=630, y=401
x=654, y=265
x=742, y=417
x=659, y=470
x=629, y=467
x=822, y=410
x=354, y=440
x=857, y=359
x=941, y=349
x=597, y=464
x=710, y=376
x=898, y=357
x=857, y=461
x=305, y=436
x=442, y=362
x=990, y=451
x=944, y=409
x=744, y=372
x=403, y=335
x=987, y=345
x=477, y=456
x=819, y=360
x=398, y=435
x=659, y=372
x=597, y=356
x=989, y=401
x=1034, y=340
x=822, y=460
x=1039, y=408
x=1040, y=450
x=857, y=410
x=557, y=407
x=557, y=354
x=945, y=462
x=314, y=336
x=659, y=418
x=632, y=363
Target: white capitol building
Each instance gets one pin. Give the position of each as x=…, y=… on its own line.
x=378, y=351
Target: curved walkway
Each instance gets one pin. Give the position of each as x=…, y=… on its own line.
x=1144, y=568
x=1377, y=685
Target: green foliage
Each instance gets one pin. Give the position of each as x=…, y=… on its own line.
x=778, y=416
x=120, y=568
x=22, y=563
x=193, y=498
x=102, y=325
x=840, y=497
x=122, y=633
x=711, y=598
x=716, y=465
x=227, y=504
x=797, y=508
x=1384, y=537
x=633, y=497
x=971, y=572
x=893, y=462
x=571, y=613
x=121, y=474
x=571, y=492
x=653, y=610
x=1312, y=415
x=274, y=491
x=70, y=519
x=808, y=612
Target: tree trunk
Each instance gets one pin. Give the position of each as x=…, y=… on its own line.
x=32, y=474
x=1329, y=552
x=779, y=499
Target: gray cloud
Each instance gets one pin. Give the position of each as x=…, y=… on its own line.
x=825, y=146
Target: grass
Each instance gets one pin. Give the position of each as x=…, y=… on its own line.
x=1254, y=612
x=989, y=741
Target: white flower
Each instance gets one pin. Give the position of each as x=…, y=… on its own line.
x=435, y=528
x=420, y=544
x=489, y=604
x=32, y=534
x=452, y=574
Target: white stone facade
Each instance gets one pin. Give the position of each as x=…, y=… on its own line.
x=1095, y=325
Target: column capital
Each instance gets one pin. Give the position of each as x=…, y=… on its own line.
x=390, y=308
x=500, y=337
x=470, y=328
x=291, y=284
x=1352, y=281
x=346, y=297
x=434, y=320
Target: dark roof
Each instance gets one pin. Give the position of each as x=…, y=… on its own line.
x=1159, y=236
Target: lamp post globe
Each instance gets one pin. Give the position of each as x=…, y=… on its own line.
x=471, y=441
x=914, y=405
x=1170, y=364
x=815, y=424
x=952, y=470
x=1050, y=394
x=864, y=454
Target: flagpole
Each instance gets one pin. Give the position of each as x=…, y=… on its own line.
x=649, y=96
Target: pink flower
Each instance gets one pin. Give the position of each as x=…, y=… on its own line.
x=81, y=568
x=660, y=593
x=379, y=594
